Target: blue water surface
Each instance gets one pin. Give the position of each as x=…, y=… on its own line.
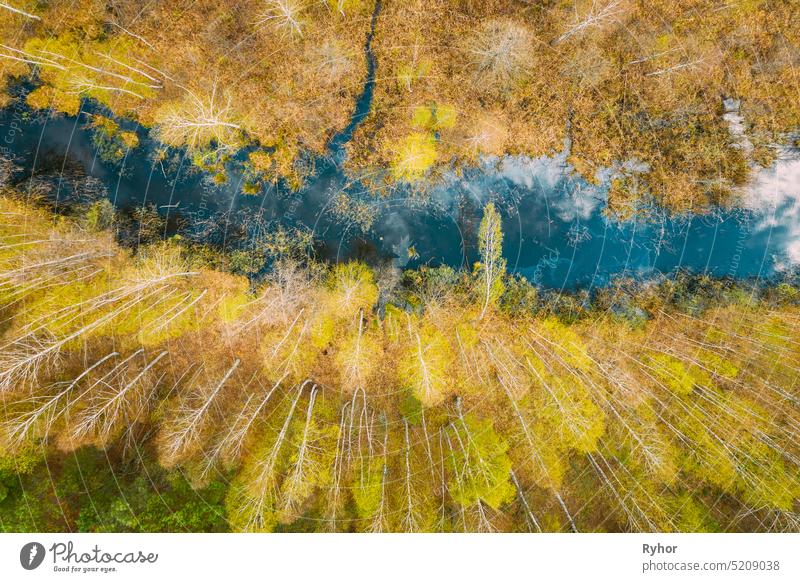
x=556, y=231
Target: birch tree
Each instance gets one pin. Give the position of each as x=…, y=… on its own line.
x=491, y=268
x=501, y=53
x=194, y=417
x=425, y=366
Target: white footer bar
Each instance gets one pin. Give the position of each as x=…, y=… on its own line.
x=410, y=558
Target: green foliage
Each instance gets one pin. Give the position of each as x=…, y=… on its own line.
x=411, y=409
x=287, y=243
x=409, y=73
x=164, y=504
x=434, y=117
x=520, y=296
x=479, y=464
x=110, y=141
x=425, y=366
x=309, y=465
x=97, y=68
x=430, y=283
x=246, y=262
x=673, y=373
x=492, y=266
x=100, y=215
x=368, y=491
x=353, y=289
x=413, y=157
x=85, y=492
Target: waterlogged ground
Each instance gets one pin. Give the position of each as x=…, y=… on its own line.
x=556, y=231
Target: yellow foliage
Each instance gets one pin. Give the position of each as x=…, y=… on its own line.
x=353, y=290
x=413, y=157
x=46, y=97
x=425, y=366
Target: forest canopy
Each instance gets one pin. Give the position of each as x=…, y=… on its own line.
x=335, y=398
x=163, y=369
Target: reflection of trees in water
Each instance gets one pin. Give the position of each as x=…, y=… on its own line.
x=578, y=234
x=229, y=228
x=8, y=170
x=60, y=183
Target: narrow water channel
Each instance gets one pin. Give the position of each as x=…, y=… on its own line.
x=556, y=232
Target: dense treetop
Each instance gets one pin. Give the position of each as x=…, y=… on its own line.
x=344, y=398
